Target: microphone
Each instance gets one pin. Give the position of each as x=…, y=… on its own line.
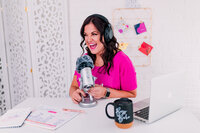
x=84, y=64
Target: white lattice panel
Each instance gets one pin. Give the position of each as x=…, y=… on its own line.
x=49, y=41
x=18, y=50
x=4, y=87
x=4, y=90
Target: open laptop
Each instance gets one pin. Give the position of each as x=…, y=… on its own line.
x=167, y=96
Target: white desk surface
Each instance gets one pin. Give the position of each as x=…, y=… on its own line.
x=96, y=121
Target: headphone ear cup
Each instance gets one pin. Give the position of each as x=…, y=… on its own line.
x=108, y=35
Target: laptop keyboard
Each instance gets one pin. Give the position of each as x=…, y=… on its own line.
x=143, y=113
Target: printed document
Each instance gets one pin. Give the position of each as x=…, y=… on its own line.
x=50, y=118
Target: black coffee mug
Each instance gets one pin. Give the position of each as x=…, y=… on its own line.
x=123, y=112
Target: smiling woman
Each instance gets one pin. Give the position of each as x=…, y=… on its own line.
x=115, y=73
x=92, y=39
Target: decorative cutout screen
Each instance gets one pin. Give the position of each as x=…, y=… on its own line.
x=36, y=49
x=18, y=50
x=3, y=107
x=49, y=47
x=4, y=87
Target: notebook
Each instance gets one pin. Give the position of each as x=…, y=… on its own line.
x=14, y=118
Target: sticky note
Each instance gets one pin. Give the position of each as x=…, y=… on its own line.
x=140, y=28
x=145, y=48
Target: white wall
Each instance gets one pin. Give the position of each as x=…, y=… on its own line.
x=78, y=11
x=176, y=41
x=175, y=37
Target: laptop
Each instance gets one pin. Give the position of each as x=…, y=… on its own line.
x=167, y=96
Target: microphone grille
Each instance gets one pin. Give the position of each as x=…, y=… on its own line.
x=84, y=61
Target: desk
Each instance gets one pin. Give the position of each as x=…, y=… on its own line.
x=96, y=121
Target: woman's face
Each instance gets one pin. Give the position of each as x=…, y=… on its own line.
x=92, y=39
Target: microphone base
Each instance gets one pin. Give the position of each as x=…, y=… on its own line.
x=87, y=103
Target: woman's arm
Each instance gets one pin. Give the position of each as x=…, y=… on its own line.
x=120, y=93
x=74, y=91
x=100, y=92
x=74, y=86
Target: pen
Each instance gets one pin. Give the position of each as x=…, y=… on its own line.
x=74, y=110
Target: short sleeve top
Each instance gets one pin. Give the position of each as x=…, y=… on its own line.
x=122, y=74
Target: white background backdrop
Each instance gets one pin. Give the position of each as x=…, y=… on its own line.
x=175, y=38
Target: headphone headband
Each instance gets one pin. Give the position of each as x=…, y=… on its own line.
x=101, y=17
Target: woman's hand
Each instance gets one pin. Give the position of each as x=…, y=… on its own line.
x=98, y=91
x=76, y=95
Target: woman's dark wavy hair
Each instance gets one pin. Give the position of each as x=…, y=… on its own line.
x=111, y=48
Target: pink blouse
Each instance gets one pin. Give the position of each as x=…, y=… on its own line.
x=122, y=74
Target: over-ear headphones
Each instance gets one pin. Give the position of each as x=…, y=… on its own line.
x=108, y=33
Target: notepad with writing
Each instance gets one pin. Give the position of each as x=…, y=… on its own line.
x=14, y=117
x=50, y=117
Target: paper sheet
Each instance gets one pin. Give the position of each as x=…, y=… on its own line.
x=50, y=118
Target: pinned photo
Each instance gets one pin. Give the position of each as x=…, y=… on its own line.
x=140, y=28
x=145, y=48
